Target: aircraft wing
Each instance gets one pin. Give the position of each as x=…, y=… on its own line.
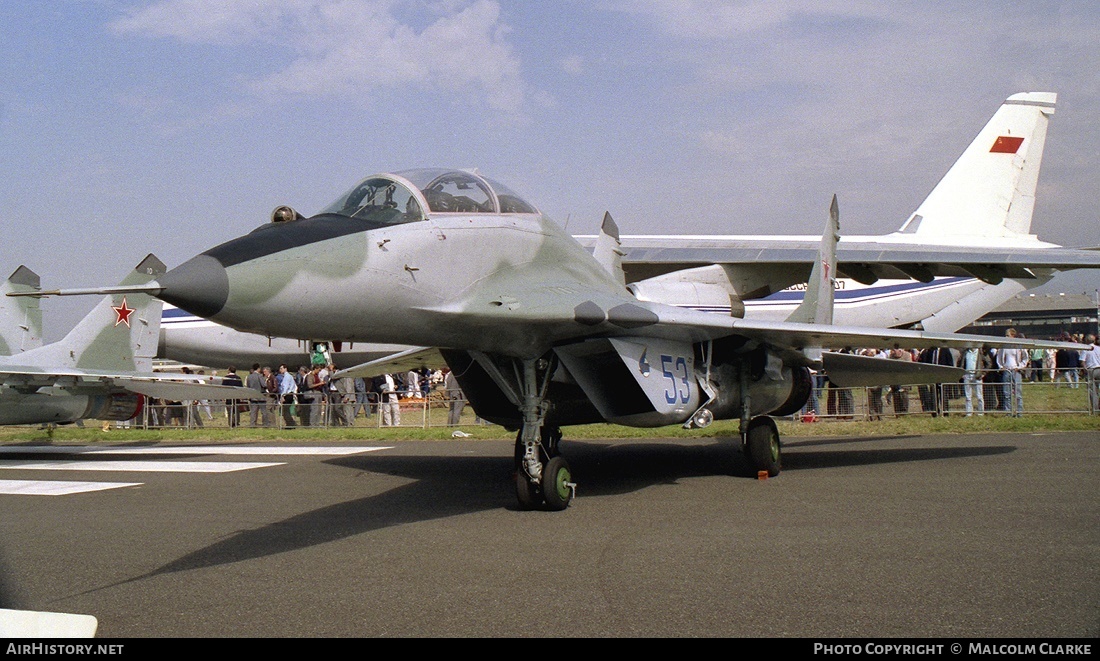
x=412, y=359
x=863, y=261
x=691, y=325
x=542, y=313
x=163, y=386
x=854, y=371
x=180, y=390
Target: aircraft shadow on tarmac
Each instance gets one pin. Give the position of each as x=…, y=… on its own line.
x=452, y=486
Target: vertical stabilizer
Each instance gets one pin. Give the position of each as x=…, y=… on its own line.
x=990, y=190
x=20, y=318
x=817, y=304
x=119, y=334
x=607, y=250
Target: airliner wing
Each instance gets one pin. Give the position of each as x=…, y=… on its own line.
x=691, y=325
x=974, y=223
x=412, y=359
x=863, y=261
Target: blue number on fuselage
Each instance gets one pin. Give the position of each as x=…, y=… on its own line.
x=679, y=369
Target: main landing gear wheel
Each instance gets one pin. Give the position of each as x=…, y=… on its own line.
x=557, y=484
x=762, y=446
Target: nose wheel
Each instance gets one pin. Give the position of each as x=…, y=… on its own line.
x=542, y=477
x=558, y=487
x=546, y=482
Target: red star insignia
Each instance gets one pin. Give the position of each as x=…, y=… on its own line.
x=123, y=313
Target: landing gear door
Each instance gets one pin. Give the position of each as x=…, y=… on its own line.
x=642, y=382
x=665, y=370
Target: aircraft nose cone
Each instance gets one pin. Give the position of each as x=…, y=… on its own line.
x=199, y=285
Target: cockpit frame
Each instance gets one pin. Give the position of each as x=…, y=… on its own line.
x=393, y=198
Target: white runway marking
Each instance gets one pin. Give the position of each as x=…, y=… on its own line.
x=87, y=463
x=43, y=488
x=140, y=466
x=190, y=449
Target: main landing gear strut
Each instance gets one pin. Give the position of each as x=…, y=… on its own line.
x=542, y=475
x=759, y=435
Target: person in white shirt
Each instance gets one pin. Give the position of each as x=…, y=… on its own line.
x=1091, y=363
x=972, y=381
x=391, y=409
x=1009, y=360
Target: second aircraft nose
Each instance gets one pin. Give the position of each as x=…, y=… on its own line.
x=200, y=286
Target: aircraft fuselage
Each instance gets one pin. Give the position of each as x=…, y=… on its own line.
x=433, y=282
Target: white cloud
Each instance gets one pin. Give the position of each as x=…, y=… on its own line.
x=212, y=21
x=714, y=19
x=573, y=65
x=344, y=48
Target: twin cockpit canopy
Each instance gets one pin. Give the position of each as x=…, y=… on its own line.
x=401, y=197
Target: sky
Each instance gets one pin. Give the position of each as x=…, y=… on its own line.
x=170, y=126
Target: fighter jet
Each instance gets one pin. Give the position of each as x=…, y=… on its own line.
x=102, y=369
x=540, y=332
x=748, y=275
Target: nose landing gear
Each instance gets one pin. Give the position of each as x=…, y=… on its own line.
x=544, y=480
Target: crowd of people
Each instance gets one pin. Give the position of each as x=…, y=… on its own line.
x=992, y=380
x=314, y=396
x=309, y=396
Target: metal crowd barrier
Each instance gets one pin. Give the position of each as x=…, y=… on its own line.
x=1067, y=392
x=438, y=409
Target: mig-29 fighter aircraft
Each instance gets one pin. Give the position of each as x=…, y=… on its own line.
x=985, y=200
x=542, y=333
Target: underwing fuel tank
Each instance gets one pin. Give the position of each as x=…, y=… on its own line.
x=40, y=407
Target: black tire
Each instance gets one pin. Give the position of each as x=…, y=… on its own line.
x=517, y=454
x=762, y=446
x=527, y=494
x=557, y=491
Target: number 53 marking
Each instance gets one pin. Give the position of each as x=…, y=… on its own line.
x=676, y=369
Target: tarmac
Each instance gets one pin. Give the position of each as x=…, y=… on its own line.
x=948, y=536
